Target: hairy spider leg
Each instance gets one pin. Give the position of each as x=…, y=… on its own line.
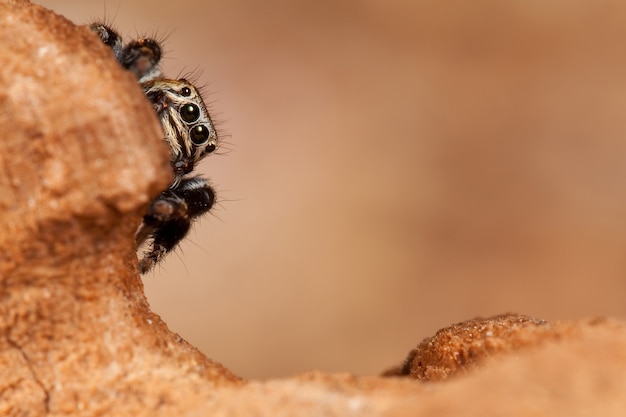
x=170, y=216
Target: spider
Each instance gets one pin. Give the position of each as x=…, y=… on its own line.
x=190, y=134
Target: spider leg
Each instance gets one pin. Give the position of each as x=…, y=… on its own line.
x=170, y=216
x=142, y=58
x=109, y=37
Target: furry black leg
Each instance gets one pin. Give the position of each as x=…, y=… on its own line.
x=170, y=216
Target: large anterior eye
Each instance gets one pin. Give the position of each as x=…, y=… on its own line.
x=199, y=135
x=189, y=112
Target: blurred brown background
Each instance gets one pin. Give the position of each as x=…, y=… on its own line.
x=390, y=168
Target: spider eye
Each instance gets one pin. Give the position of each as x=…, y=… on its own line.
x=190, y=113
x=185, y=91
x=199, y=135
x=210, y=148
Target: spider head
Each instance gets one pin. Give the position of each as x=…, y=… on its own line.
x=187, y=126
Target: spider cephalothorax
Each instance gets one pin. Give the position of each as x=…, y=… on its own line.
x=186, y=123
x=190, y=134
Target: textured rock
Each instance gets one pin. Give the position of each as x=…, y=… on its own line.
x=561, y=369
x=80, y=157
x=464, y=345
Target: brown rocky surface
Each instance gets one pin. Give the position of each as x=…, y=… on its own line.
x=461, y=347
x=81, y=156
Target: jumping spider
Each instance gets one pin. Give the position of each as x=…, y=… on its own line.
x=190, y=134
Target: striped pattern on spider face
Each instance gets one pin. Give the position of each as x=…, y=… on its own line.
x=188, y=128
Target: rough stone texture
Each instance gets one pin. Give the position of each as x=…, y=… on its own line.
x=81, y=156
x=464, y=345
x=575, y=368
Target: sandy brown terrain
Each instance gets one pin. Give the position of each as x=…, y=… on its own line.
x=81, y=156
